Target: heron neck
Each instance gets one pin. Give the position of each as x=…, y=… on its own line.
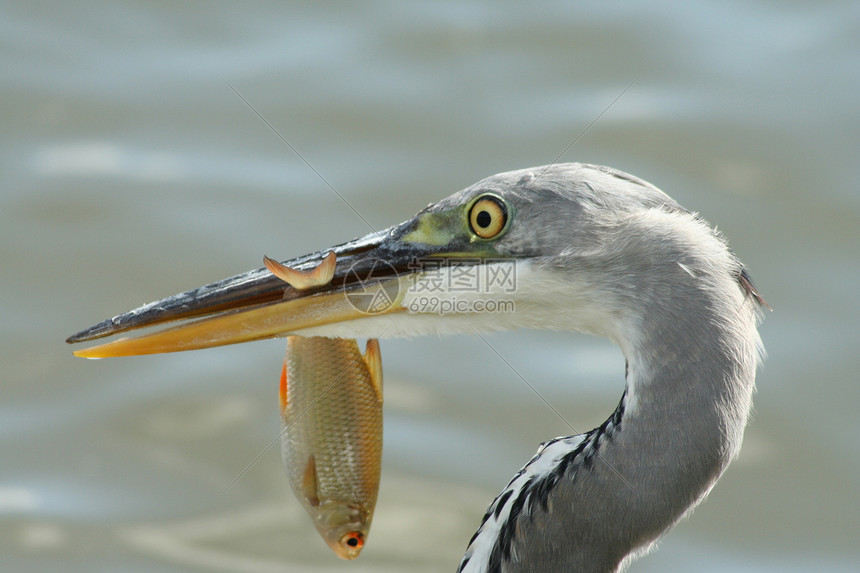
x=589, y=502
x=689, y=391
x=690, y=378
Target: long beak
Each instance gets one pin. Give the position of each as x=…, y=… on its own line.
x=368, y=280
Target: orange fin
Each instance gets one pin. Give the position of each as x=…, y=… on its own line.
x=282, y=390
x=309, y=482
x=302, y=280
x=373, y=358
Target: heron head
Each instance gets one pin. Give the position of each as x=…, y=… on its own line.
x=537, y=248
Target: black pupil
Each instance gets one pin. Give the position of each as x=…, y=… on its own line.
x=352, y=541
x=483, y=219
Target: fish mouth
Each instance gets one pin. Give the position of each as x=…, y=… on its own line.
x=370, y=278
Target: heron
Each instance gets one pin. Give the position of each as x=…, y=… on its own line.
x=595, y=250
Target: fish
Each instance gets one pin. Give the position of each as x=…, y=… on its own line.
x=331, y=406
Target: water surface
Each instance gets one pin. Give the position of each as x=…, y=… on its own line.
x=130, y=170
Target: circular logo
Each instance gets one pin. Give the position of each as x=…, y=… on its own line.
x=371, y=288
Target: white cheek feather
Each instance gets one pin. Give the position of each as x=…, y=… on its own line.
x=531, y=297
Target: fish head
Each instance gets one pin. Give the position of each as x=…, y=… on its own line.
x=343, y=526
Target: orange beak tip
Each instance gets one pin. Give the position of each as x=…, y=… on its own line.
x=85, y=353
x=82, y=354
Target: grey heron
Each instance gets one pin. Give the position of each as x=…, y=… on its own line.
x=595, y=250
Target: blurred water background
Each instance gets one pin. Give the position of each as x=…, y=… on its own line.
x=130, y=170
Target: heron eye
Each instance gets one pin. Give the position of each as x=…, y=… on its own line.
x=353, y=540
x=488, y=216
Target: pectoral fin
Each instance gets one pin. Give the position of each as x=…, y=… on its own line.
x=309, y=483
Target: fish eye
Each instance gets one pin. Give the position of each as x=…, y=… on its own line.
x=488, y=216
x=353, y=540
